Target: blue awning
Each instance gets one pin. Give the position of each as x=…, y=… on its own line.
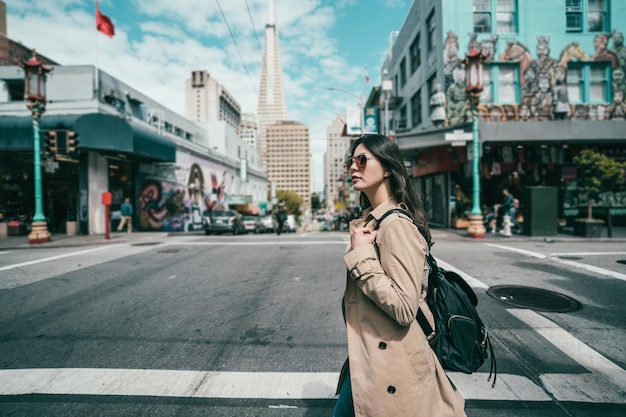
x=96, y=131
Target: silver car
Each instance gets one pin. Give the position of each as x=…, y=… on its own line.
x=224, y=221
x=265, y=224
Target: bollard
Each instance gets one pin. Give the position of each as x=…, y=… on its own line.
x=106, y=201
x=506, y=225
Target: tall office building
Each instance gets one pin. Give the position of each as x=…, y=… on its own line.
x=209, y=101
x=249, y=129
x=289, y=158
x=271, y=107
x=334, y=173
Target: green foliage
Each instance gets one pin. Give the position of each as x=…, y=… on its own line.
x=315, y=202
x=293, y=202
x=597, y=173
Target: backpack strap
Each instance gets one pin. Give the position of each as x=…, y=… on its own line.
x=432, y=266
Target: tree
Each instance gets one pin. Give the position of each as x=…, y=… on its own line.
x=597, y=173
x=315, y=202
x=293, y=203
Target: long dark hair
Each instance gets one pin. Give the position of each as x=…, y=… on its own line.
x=388, y=154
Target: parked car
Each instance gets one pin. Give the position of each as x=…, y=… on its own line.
x=224, y=221
x=265, y=224
x=325, y=227
x=249, y=223
x=290, y=225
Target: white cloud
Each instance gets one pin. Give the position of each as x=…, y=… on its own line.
x=158, y=43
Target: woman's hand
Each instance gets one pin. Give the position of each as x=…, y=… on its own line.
x=362, y=236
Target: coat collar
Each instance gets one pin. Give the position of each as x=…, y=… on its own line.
x=378, y=212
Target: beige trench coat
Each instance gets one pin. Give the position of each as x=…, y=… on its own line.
x=393, y=370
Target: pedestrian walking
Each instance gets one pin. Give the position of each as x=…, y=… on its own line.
x=391, y=369
x=281, y=217
x=127, y=216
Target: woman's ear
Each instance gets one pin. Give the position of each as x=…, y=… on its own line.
x=387, y=174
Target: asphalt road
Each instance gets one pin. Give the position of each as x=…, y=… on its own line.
x=251, y=326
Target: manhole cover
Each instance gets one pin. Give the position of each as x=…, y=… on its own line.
x=534, y=298
x=622, y=261
x=168, y=251
x=145, y=243
x=570, y=258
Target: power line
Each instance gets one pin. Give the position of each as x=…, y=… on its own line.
x=236, y=46
x=256, y=35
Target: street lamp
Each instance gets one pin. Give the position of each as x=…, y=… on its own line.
x=35, y=74
x=474, y=67
x=360, y=98
x=387, y=87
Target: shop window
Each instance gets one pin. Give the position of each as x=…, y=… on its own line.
x=498, y=14
x=586, y=15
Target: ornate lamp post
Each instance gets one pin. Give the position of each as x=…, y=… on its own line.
x=474, y=67
x=35, y=74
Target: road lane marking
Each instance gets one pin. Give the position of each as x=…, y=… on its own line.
x=556, y=254
x=250, y=243
x=254, y=385
x=53, y=258
x=522, y=251
x=473, y=282
x=556, y=257
x=572, y=347
x=2, y=253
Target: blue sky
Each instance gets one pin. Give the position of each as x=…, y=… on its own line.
x=323, y=43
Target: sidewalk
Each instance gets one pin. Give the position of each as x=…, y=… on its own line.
x=62, y=240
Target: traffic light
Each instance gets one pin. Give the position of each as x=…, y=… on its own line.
x=72, y=142
x=61, y=142
x=51, y=142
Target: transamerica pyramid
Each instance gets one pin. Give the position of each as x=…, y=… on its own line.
x=271, y=107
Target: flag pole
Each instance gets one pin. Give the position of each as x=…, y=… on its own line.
x=97, y=78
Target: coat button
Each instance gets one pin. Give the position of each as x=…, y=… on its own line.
x=382, y=345
x=391, y=389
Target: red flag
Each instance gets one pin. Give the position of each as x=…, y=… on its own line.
x=367, y=77
x=104, y=24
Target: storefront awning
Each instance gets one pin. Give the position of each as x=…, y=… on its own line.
x=99, y=132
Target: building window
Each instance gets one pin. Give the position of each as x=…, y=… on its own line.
x=501, y=14
x=415, y=54
x=586, y=14
x=588, y=83
x=403, y=72
x=430, y=25
x=402, y=125
x=416, y=108
x=501, y=84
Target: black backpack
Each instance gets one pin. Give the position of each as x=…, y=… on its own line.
x=460, y=339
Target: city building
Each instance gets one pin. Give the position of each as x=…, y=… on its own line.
x=173, y=171
x=206, y=100
x=336, y=191
x=289, y=158
x=271, y=108
x=249, y=129
x=553, y=77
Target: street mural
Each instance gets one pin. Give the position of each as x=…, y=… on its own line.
x=543, y=80
x=175, y=198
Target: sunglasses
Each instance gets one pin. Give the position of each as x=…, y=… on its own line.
x=360, y=160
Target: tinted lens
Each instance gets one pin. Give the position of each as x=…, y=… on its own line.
x=360, y=160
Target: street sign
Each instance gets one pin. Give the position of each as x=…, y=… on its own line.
x=458, y=135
